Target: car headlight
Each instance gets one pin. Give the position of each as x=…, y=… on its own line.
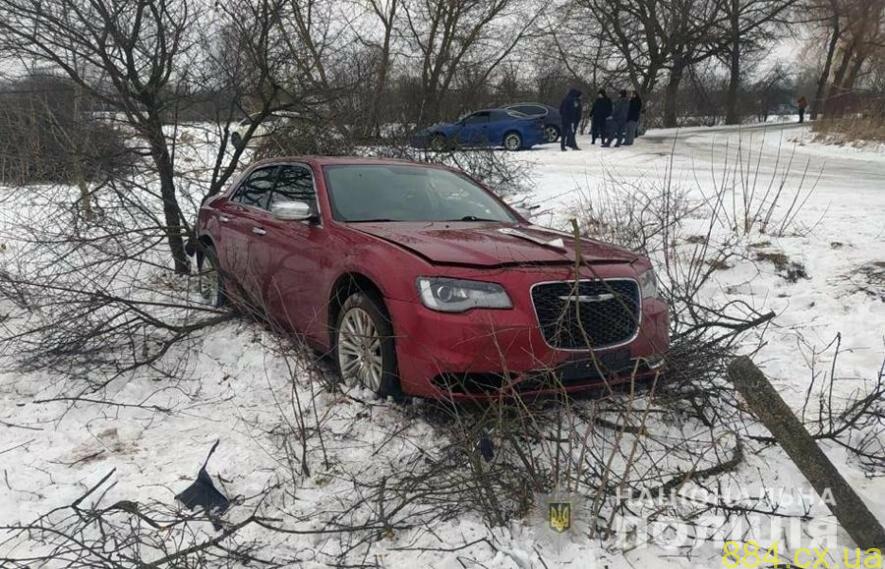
x=457, y=295
x=648, y=285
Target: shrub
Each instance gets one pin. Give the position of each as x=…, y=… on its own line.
x=49, y=132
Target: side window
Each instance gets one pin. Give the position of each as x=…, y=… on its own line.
x=526, y=109
x=477, y=118
x=295, y=183
x=255, y=190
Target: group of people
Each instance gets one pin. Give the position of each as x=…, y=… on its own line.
x=610, y=121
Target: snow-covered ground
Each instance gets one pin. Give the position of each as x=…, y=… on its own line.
x=238, y=383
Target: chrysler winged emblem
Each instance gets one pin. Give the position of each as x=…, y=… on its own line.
x=559, y=516
x=588, y=297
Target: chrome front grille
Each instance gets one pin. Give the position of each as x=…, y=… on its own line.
x=587, y=314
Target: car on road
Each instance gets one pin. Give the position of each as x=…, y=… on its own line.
x=488, y=127
x=549, y=115
x=417, y=279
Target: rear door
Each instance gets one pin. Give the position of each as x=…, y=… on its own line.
x=500, y=123
x=295, y=257
x=248, y=213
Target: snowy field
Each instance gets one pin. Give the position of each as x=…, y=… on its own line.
x=238, y=376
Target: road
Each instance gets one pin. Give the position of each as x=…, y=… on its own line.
x=699, y=158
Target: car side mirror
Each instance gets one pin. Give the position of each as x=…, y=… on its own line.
x=292, y=211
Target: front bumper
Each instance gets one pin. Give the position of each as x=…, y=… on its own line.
x=487, y=353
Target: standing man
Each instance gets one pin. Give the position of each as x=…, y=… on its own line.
x=599, y=113
x=633, y=112
x=619, y=120
x=802, y=103
x=570, y=111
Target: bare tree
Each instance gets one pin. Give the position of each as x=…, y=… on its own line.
x=748, y=27
x=653, y=37
x=863, y=36
x=384, y=12
x=125, y=54
x=453, y=37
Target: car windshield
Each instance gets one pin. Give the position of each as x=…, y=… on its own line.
x=377, y=192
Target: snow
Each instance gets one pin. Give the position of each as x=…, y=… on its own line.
x=239, y=376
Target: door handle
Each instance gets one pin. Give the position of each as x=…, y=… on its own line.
x=223, y=218
x=258, y=231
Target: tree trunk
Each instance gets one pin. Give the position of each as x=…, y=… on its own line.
x=732, y=116
x=672, y=93
x=383, y=67
x=766, y=403
x=374, y=118
x=833, y=105
x=828, y=65
x=79, y=175
x=171, y=211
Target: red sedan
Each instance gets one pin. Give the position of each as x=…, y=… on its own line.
x=418, y=279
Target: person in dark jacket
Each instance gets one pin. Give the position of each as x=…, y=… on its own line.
x=618, y=121
x=570, y=111
x=599, y=113
x=633, y=111
x=802, y=104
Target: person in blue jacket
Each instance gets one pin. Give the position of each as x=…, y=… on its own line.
x=570, y=111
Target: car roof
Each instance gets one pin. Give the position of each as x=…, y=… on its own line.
x=344, y=161
x=527, y=103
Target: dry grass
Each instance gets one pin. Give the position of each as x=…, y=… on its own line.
x=850, y=130
x=791, y=271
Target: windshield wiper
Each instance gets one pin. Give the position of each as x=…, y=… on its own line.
x=373, y=220
x=474, y=218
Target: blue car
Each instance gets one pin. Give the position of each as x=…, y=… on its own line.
x=489, y=127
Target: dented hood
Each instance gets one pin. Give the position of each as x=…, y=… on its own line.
x=491, y=244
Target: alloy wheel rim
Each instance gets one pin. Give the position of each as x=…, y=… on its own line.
x=359, y=350
x=551, y=134
x=512, y=142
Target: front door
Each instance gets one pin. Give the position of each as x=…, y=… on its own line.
x=474, y=130
x=294, y=257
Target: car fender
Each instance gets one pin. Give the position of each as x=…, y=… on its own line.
x=384, y=264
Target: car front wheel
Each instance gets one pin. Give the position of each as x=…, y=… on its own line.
x=512, y=141
x=438, y=143
x=551, y=133
x=364, y=349
x=211, y=280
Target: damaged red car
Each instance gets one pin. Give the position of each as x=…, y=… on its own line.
x=417, y=279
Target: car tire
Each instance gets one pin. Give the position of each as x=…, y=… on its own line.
x=512, y=141
x=438, y=143
x=551, y=133
x=364, y=350
x=211, y=279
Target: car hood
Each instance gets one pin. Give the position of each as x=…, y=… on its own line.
x=491, y=244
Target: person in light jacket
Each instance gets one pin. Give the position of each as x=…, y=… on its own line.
x=618, y=122
x=633, y=112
